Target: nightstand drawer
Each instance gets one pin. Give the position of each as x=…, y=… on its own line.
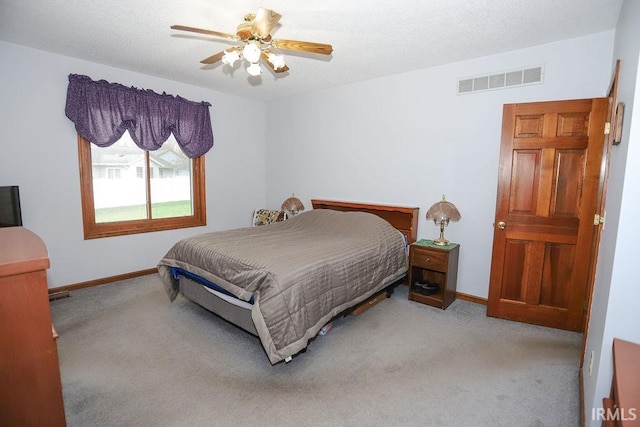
x=433, y=260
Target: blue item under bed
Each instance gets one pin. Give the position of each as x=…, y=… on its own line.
x=177, y=273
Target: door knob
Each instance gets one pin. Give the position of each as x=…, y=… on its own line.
x=502, y=225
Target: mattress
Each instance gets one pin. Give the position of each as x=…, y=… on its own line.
x=300, y=273
x=229, y=308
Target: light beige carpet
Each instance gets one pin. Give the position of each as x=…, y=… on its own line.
x=129, y=357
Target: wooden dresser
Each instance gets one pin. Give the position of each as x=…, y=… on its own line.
x=622, y=407
x=30, y=387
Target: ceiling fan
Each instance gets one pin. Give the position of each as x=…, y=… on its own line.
x=254, y=36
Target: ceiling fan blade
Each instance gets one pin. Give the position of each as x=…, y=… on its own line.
x=323, y=49
x=264, y=21
x=265, y=58
x=202, y=31
x=213, y=58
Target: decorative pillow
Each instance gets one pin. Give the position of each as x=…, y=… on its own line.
x=268, y=216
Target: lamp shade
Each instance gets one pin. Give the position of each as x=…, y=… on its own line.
x=251, y=52
x=276, y=60
x=292, y=205
x=254, y=69
x=441, y=213
x=230, y=57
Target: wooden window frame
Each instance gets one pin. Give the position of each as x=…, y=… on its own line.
x=93, y=230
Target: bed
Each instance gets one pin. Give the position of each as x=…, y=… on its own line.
x=285, y=281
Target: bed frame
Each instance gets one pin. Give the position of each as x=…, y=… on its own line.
x=404, y=219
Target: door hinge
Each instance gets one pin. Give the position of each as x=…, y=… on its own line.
x=607, y=128
x=598, y=220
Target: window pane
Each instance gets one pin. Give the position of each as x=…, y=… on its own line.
x=118, y=192
x=115, y=181
x=171, y=181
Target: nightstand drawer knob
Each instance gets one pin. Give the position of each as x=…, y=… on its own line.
x=427, y=259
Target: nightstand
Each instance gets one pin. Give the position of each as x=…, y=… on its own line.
x=436, y=268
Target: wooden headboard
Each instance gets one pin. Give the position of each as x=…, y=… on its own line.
x=404, y=219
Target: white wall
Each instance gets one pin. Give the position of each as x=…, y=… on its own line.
x=616, y=296
x=38, y=152
x=407, y=139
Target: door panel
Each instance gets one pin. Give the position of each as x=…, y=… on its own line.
x=524, y=191
x=550, y=165
x=567, y=185
x=556, y=274
x=517, y=254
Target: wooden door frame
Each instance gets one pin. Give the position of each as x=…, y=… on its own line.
x=602, y=192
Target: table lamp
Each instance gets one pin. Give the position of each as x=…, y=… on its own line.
x=292, y=205
x=441, y=213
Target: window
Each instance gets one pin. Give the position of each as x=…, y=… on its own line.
x=127, y=190
x=148, y=185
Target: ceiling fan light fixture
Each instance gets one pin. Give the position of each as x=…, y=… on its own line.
x=254, y=69
x=251, y=52
x=230, y=57
x=254, y=40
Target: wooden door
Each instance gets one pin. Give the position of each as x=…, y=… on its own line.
x=548, y=188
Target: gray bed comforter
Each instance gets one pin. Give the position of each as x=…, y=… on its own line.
x=301, y=272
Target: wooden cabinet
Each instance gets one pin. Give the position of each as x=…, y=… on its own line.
x=30, y=386
x=433, y=273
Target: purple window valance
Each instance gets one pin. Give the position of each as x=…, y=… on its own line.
x=103, y=111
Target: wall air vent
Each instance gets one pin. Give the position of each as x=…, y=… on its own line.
x=501, y=80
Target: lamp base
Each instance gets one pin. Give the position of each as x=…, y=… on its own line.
x=441, y=242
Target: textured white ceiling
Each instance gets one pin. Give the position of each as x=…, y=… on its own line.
x=371, y=39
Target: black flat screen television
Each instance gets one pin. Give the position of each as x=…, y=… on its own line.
x=10, y=213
